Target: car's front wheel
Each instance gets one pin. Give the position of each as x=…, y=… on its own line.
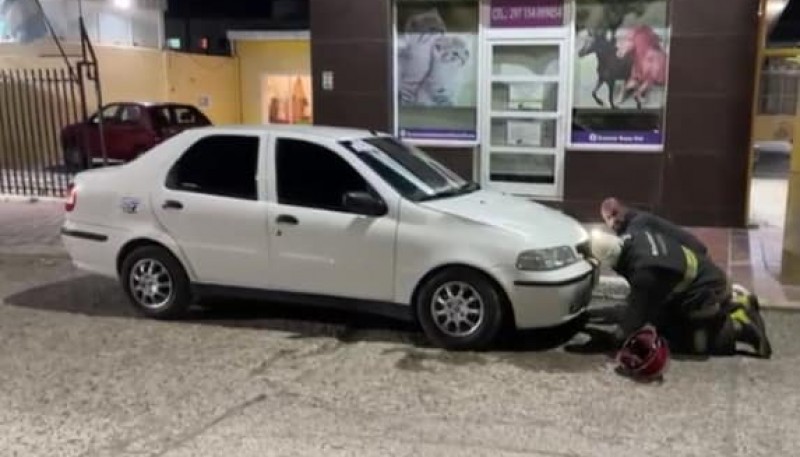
x=460, y=308
x=156, y=283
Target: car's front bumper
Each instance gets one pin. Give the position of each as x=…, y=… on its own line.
x=552, y=299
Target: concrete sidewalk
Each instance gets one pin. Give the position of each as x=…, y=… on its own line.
x=751, y=257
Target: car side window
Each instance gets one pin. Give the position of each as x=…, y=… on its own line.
x=223, y=165
x=313, y=176
x=110, y=113
x=130, y=114
x=160, y=117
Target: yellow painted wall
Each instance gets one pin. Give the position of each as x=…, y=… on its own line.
x=135, y=74
x=127, y=74
x=773, y=128
x=190, y=77
x=257, y=57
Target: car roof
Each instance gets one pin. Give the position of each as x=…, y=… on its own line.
x=151, y=104
x=325, y=131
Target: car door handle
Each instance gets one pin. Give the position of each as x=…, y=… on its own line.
x=172, y=204
x=286, y=219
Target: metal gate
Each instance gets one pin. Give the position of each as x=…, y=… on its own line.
x=35, y=106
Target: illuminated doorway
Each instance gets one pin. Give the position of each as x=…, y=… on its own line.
x=286, y=99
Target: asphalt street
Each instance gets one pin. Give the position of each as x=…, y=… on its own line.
x=81, y=375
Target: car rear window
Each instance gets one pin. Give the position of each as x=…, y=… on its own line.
x=178, y=116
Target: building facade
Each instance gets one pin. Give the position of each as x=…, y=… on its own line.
x=562, y=101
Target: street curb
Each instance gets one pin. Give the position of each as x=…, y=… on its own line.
x=616, y=288
x=10, y=198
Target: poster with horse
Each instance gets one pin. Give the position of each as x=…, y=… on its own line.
x=620, y=72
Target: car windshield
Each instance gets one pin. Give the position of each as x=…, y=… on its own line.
x=409, y=170
x=170, y=116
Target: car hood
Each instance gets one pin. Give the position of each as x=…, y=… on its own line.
x=538, y=225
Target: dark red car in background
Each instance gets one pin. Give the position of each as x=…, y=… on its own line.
x=130, y=128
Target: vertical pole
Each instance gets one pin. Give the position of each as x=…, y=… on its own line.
x=94, y=76
x=60, y=110
x=33, y=132
x=19, y=127
x=790, y=258
x=54, y=150
x=761, y=42
x=5, y=133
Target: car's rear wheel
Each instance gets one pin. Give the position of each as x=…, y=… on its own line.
x=156, y=283
x=460, y=308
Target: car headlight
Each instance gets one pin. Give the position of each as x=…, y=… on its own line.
x=546, y=259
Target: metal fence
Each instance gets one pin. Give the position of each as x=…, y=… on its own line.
x=35, y=105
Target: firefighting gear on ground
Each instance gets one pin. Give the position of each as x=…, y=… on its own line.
x=644, y=356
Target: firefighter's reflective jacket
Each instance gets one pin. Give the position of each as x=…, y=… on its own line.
x=665, y=278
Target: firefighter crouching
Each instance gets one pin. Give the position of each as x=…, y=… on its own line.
x=681, y=293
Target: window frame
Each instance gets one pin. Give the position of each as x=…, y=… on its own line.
x=115, y=119
x=168, y=180
x=140, y=118
x=332, y=147
x=779, y=90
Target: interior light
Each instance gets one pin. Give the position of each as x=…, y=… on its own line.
x=123, y=4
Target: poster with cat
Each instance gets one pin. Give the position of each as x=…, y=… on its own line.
x=437, y=69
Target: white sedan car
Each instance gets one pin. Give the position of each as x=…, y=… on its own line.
x=327, y=216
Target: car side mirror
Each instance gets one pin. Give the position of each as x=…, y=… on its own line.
x=364, y=203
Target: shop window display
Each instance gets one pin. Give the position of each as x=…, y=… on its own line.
x=286, y=99
x=437, y=69
x=620, y=72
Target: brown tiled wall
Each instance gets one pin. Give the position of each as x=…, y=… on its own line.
x=459, y=160
x=590, y=176
x=709, y=111
x=701, y=177
x=352, y=38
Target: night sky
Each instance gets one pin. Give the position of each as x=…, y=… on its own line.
x=219, y=8
x=787, y=29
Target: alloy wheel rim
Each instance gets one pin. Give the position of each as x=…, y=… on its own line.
x=457, y=309
x=151, y=284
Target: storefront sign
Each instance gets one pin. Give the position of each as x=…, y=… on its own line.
x=628, y=138
x=526, y=13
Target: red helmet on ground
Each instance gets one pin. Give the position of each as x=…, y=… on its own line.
x=645, y=355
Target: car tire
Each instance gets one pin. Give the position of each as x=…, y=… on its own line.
x=75, y=159
x=156, y=283
x=460, y=309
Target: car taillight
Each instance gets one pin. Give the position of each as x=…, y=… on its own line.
x=72, y=198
